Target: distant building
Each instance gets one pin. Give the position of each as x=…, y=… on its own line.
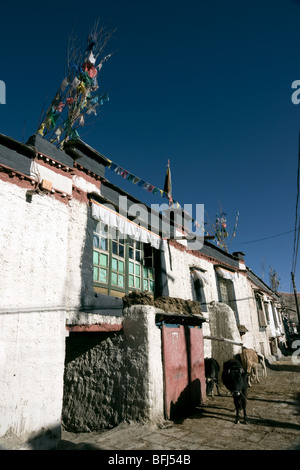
x=290, y=315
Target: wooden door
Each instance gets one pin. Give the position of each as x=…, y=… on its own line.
x=183, y=362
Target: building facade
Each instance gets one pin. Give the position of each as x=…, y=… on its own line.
x=72, y=251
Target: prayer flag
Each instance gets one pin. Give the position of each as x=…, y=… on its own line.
x=136, y=180
x=124, y=173
x=168, y=184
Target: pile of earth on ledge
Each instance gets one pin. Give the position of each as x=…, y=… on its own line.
x=167, y=304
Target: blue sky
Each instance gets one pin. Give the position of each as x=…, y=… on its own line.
x=206, y=84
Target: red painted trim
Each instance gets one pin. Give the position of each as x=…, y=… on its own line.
x=16, y=177
x=198, y=254
x=104, y=327
x=80, y=195
x=211, y=259
x=12, y=176
x=86, y=174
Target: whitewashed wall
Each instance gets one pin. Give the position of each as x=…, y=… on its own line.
x=41, y=249
x=180, y=283
x=143, y=339
x=77, y=213
x=33, y=266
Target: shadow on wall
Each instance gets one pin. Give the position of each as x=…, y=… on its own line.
x=187, y=401
x=44, y=440
x=91, y=301
x=105, y=304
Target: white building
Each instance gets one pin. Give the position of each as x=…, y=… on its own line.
x=68, y=350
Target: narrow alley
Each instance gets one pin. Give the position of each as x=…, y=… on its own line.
x=274, y=421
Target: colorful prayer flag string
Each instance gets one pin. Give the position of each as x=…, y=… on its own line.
x=150, y=188
x=78, y=96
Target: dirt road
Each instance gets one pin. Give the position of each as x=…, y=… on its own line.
x=274, y=422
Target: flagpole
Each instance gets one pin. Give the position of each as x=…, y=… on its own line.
x=168, y=184
x=169, y=195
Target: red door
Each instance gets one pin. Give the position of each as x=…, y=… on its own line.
x=183, y=361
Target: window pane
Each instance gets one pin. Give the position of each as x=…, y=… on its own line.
x=131, y=281
x=148, y=255
x=115, y=248
x=121, y=281
x=145, y=284
x=95, y=257
x=131, y=268
x=121, y=251
x=114, y=264
x=103, y=230
x=103, y=244
x=151, y=286
x=121, y=267
x=138, y=245
x=145, y=272
x=103, y=260
x=114, y=279
x=103, y=275
x=138, y=256
x=95, y=275
x=151, y=274
x=137, y=282
x=137, y=270
x=115, y=235
x=96, y=241
x=131, y=253
x=223, y=290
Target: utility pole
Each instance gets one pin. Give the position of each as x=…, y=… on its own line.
x=296, y=300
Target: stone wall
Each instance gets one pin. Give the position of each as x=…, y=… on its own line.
x=114, y=377
x=94, y=389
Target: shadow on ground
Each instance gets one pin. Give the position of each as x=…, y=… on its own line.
x=67, y=445
x=282, y=366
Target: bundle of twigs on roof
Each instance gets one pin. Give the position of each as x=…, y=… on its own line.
x=78, y=97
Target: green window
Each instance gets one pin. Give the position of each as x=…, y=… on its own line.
x=121, y=265
x=134, y=264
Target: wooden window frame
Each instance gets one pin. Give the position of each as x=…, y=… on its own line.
x=275, y=315
x=230, y=298
x=138, y=261
x=262, y=321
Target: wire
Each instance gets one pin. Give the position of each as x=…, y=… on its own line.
x=266, y=238
x=296, y=252
x=296, y=237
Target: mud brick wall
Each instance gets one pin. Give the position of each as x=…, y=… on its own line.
x=114, y=377
x=93, y=392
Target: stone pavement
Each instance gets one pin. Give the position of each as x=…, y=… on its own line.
x=274, y=422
